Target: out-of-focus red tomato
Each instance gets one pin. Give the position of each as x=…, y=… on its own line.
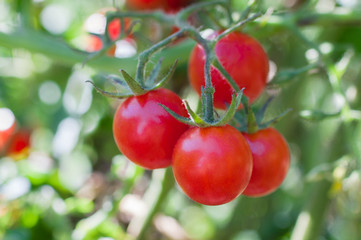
x=96, y=24
x=7, y=126
x=19, y=144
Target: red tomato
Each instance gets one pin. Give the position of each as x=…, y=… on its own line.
x=145, y=4
x=19, y=144
x=145, y=132
x=212, y=165
x=167, y=5
x=242, y=57
x=176, y=5
x=271, y=160
x=96, y=23
x=7, y=126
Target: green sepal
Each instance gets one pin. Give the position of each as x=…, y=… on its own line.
x=276, y=119
x=134, y=86
x=178, y=117
x=195, y=118
x=260, y=113
x=150, y=82
x=168, y=76
x=230, y=113
x=110, y=94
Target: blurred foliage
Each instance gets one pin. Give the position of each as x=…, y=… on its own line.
x=73, y=183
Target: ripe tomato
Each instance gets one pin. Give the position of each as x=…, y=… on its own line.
x=242, y=57
x=7, y=126
x=144, y=132
x=96, y=23
x=145, y=4
x=174, y=6
x=19, y=144
x=212, y=165
x=271, y=160
x=167, y=5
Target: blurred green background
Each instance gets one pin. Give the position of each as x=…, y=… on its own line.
x=66, y=179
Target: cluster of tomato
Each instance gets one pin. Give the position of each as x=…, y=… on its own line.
x=213, y=165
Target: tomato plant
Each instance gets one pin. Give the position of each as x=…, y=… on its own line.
x=271, y=160
x=242, y=57
x=145, y=132
x=212, y=165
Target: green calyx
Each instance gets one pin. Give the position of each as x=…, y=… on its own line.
x=128, y=86
x=250, y=120
x=198, y=120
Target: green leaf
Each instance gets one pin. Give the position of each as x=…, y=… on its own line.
x=111, y=94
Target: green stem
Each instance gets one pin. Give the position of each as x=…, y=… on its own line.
x=144, y=57
x=167, y=185
x=237, y=26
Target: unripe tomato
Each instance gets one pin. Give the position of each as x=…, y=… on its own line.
x=242, y=57
x=271, y=160
x=144, y=132
x=7, y=126
x=212, y=165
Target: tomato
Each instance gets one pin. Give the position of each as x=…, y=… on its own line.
x=271, y=160
x=96, y=23
x=167, y=5
x=176, y=5
x=7, y=126
x=19, y=144
x=144, y=132
x=144, y=4
x=212, y=165
x=242, y=57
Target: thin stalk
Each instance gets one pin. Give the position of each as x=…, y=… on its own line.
x=237, y=26
x=144, y=57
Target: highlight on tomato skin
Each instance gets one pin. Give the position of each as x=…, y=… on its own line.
x=212, y=165
x=243, y=58
x=7, y=126
x=271, y=160
x=144, y=132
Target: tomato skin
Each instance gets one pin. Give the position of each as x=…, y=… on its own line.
x=242, y=57
x=212, y=165
x=144, y=132
x=271, y=160
x=167, y=5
